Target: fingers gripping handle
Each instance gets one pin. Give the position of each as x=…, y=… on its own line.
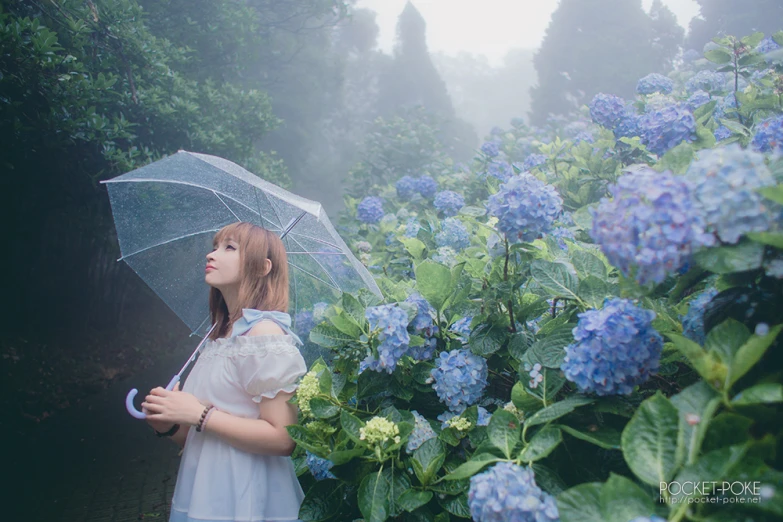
x=132, y=395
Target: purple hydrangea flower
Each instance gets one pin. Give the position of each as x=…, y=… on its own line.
x=406, y=187
x=453, y=234
x=706, y=81
x=508, y=492
x=725, y=183
x=607, y=110
x=459, y=378
x=426, y=186
x=490, y=149
x=422, y=432
x=722, y=133
x=655, y=83
x=628, y=126
x=424, y=326
x=462, y=328
x=370, y=210
x=698, y=99
x=499, y=170
x=666, y=128
x=614, y=349
x=769, y=135
x=449, y=202
x=319, y=467
x=526, y=207
x=767, y=45
x=693, y=321
x=533, y=161
x=392, y=321
x=649, y=226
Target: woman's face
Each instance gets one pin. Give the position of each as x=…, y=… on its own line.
x=223, y=270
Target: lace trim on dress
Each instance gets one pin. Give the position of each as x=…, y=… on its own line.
x=253, y=345
x=291, y=388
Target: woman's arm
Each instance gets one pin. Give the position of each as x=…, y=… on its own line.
x=266, y=435
x=181, y=435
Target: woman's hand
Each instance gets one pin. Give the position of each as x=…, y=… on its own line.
x=167, y=408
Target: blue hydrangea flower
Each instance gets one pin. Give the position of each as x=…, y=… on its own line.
x=769, y=135
x=722, y=133
x=490, y=149
x=496, y=131
x=666, y=128
x=459, y=378
x=607, y=110
x=453, y=234
x=426, y=186
x=495, y=245
x=650, y=225
x=462, y=328
x=406, y=187
x=449, y=202
x=483, y=417
x=499, y=170
x=691, y=55
x=725, y=181
x=412, y=227
x=628, y=125
x=445, y=255
x=655, y=83
x=693, y=321
x=392, y=321
x=533, y=161
x=424, y=326
x=767, y=45
x=774, y=267
x=370, y=210
x=507, y=492
x=319, y=467
x=526, y=207
x=726, y=105
x=584, y=136
x=561, y=233
x=698, y=99
x=706, y=81
x=614, y=349
x=422, y=432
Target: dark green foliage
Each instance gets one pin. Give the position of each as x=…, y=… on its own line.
x=737, y=17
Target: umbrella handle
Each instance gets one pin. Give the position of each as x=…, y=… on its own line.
x=132, y=395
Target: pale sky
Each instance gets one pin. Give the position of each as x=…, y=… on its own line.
x=489, y=27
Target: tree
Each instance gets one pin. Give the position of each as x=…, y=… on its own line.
x=734, y=17
x=590, y=47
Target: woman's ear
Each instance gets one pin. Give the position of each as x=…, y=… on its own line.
x=267, y=266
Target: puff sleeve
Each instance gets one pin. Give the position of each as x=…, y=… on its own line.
x=268, y=366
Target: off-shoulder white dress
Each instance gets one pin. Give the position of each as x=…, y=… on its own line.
x=218, y=482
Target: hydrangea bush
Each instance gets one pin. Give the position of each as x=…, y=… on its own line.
x=601, y=318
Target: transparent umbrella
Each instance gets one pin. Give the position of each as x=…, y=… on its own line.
x=166, y=214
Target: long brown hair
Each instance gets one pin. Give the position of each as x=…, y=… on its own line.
x=256, y=289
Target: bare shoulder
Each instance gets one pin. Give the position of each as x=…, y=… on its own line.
x=265, y=328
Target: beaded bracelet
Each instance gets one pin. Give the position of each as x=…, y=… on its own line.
x=203, y=416
x=206, y=419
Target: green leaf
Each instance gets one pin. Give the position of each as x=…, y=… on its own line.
x=371, y=383
x=593, y=291
x=373, y=497
x=434, y=282
x=343, y=457
x=457, y=506
x=602, y=436
x=773, y=193
x=542, y=444
x=717, y=56
x=555, y=277
x=766, y=393
x=321, y=502
x=322, y=408
x=346, y=324
x=588, y=264
x=746, y=255
x=305, y=439
x=471, y=467
x=767, y=238
x=353, y=308
x=329, y=336
x=581, y=503
x=523, y=400
x=679, y=158
x=735, y=127
x=398, y=483
x=583, y=219
x=412, y=499
x=415, y=247
x=697, y=401
x=550, y=350
x=621, y=499
x=649, y=440
x=487, y=339
x=518, y=344
x=557, y=410
x=708, y=366
x=725, y=340
x=428, y=459
x=503, y=431
x=750, y=353
x=351, y=426
x=713, y=466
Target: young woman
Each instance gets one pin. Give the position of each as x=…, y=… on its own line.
x=233, y=409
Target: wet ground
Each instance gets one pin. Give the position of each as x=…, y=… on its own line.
x=93, y=462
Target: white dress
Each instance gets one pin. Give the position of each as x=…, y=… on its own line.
x=218, y=482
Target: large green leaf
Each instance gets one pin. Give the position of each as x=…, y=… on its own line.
x=321, y=502
x=581, y=503
x=322, y=408
x=550, y=350
x=414, y=246
x=373, y=497
x=428, y=459
x=718, y=56
x=471, y=467
x=329, y=336
x=695, y=405
x=487, y=339
x=555, y=278
x=523, y=400
x=411, y=500
x=588, y=264
x=351, y=426
x=746, y=255
x=622, y=500
x=541, y=444
x=707, y=365
x=725, y=340
x=503, y=431
x=557, y=410
x=602, y=436
x=434, y=282
x=750, y=353
x=649, y=440
x=346, y=324
x=593, y=291
x=456, y=505
x=713, y=466
x=766, y=393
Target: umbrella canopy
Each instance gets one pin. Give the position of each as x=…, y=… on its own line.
x=166, y=214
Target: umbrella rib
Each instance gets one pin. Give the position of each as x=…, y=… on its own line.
x=258, y=203
x=169, y=241
x=315, y=277
x=327, y=243
x=336, y=285
x=175, y=182
x=226, y=205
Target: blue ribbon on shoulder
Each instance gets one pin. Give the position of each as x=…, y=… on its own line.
x=250, y=317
